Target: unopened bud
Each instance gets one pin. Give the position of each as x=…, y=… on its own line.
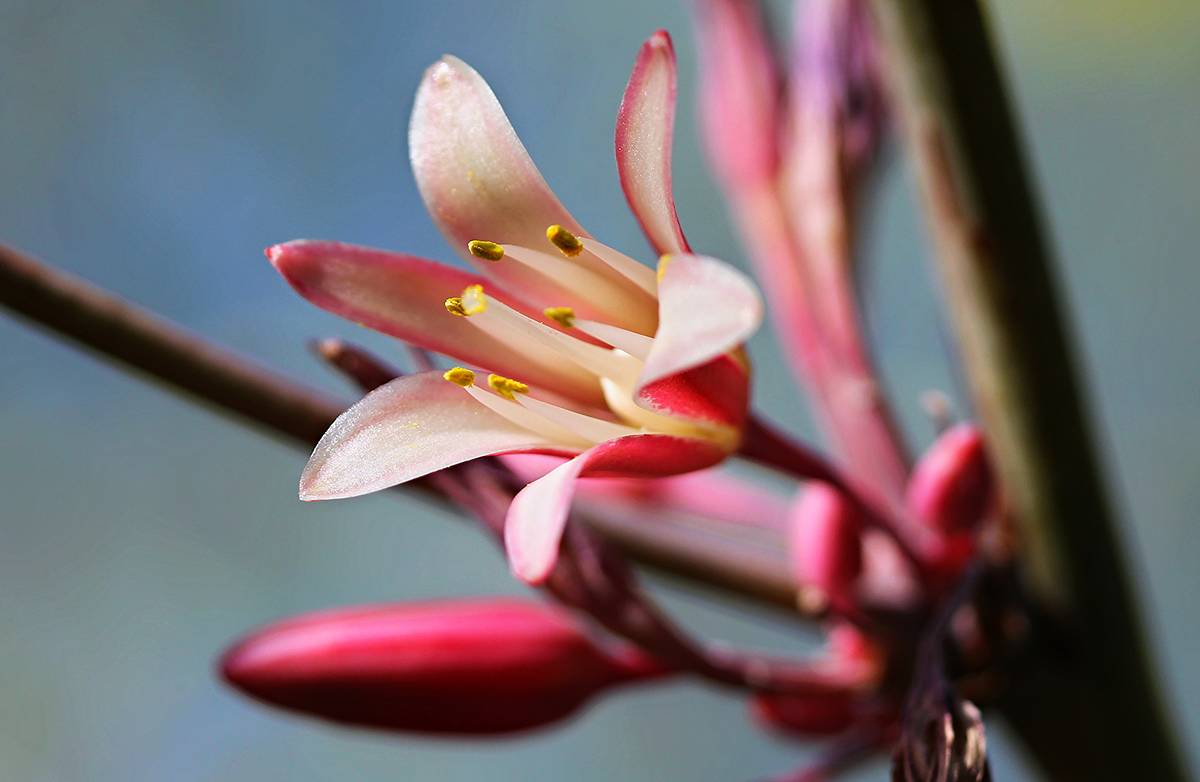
x=817, y=714
x=951, y=487
x=739, y=91
x=462, y=667
x=824, y=544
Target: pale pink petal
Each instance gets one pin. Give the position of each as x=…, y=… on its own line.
x=404, y=296
x=706, y=311
x=534, y=526
x=475, y=176
x=538, y=514
x=706, y=308
x=645, y=123
x=403, y=430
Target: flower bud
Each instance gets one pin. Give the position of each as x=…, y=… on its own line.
x=463, y=667
x=951, y=487
x=824, y=545
x=816, y=714
x=739, y=91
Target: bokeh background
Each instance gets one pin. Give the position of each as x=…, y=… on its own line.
x=157, y=147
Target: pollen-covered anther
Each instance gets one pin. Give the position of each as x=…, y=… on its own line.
x=488, y=251
x=567, y=242
x=506, y=386
x=564, y=316
x=454, y=305
x=460, y=376
x=474, y=301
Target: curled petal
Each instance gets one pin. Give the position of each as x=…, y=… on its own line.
x=403, y=430
x=706, y=310
x=473, y=172
x=536, y=518
x=645, y=123
x=404, y=296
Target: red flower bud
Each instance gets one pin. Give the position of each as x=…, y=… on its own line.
x=818, y=714
x=465, y=667
x=824, y=544
x=951, y=486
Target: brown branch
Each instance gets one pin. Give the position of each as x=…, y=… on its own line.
x=207, y=373
x=1013, y=341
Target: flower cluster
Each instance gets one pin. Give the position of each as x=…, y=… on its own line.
x=586, y=379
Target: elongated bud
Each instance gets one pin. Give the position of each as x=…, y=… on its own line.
x=951, y=487
x=836, y=76
x=824, y=545
x=739, y=91
x=818, y=714
x=462, y=667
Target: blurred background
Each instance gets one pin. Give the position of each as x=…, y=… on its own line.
x=157, y=147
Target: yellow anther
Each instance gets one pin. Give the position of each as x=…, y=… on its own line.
x=473, y=300
x=567, y=242
x=506, y=386
x=489, y=251
x=454, y=305
x=564, y=315
x=663, y=261
x=460, y=376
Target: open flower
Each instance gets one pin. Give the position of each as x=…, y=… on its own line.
x=587, y=353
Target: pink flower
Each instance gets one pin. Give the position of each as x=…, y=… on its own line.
x=592, y=356
x=462, y=667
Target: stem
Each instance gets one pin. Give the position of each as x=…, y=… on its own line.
x=1013, y=342
x=210, y=374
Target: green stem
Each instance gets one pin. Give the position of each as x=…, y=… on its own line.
x=1015, y=348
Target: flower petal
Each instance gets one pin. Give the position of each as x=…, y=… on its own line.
x=403, y=430
x=538, y=514
x=706, y=308
x=404, y=296
x=475, y=176
x=645, y=123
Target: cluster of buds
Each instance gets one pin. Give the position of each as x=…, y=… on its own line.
x=587, y=382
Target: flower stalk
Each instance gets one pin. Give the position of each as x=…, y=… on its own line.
x=1099, y=717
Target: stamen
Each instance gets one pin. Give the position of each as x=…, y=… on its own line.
x=530, y=420
x=638, y=273
x=567, y=242
x=535, y=339
x=489, y=251
x=663, y=261
x=636, y=345
x=473, y=300
x=460, y=376
x=506, y=386
x=454, y=305
x=565, y=316
x=595, y=429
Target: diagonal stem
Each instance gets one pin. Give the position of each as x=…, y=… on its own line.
x=210, y=374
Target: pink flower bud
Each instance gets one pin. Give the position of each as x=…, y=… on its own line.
x=951, y=486
x=739, y=91
x=464, y=667
x=818, y=714
x=824, y=544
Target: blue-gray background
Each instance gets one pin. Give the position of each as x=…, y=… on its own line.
x=157, y=147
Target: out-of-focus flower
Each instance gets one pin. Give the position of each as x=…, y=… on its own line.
x=951, y=486
x=592, y=356
x=825, y=546
x=464, y=667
